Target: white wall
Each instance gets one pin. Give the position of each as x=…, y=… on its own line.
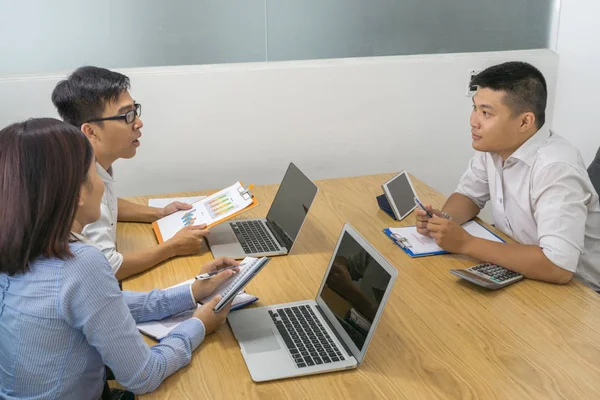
x=576, y=110
x=208, y=126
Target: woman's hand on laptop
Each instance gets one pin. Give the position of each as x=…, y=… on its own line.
x=188, y=240
x=202, y=288
x=212, y=320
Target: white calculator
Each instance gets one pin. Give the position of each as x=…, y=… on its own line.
x=488, y=275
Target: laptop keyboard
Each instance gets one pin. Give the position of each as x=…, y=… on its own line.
x=306, y=339
x=253, y=237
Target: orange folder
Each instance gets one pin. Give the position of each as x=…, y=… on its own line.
x=254, y=203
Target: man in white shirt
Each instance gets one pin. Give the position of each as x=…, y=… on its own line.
x=537, y=183
x=98, y=102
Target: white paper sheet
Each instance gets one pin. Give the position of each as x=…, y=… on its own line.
x=160, y=203
x=209, y=210
x=419, y=244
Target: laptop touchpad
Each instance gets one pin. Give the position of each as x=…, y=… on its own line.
x=260, y=341
x=223, y=237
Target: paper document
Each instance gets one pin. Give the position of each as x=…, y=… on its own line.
x=416, y=244
x=160, y=329
x=210, y=210
x=160, y=203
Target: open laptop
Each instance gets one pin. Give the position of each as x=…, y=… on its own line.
x=271, y=236
x=327, y=334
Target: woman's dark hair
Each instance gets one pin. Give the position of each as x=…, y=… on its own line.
x=43, y=163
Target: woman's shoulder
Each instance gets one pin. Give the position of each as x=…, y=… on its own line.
x=86, y=255
x=83, y=249
x=80, y=253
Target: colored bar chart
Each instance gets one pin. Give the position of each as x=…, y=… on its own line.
x=220, y=205
x=189, y=217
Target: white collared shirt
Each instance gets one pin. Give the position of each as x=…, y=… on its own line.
x=542, y=195
x=103, y=233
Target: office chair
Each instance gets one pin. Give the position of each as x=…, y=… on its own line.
x=594, y=172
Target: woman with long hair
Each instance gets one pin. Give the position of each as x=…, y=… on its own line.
x=62, y=315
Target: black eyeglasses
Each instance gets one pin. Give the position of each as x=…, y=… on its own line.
x=129, y=116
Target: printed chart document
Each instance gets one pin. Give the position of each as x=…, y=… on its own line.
x=210, y=210
x=160, y=203
x=416, y=245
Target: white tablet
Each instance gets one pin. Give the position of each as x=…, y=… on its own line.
x=400, y=193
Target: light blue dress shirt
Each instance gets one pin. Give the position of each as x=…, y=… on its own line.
x=62, y=321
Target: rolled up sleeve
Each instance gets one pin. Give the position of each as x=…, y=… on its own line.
x=102, y=234
x=560, y=200
x=474, y=182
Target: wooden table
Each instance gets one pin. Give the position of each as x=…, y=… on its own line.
x=439, y=338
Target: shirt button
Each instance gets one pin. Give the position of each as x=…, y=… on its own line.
x=500, y=201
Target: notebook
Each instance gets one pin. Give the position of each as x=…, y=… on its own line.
x=416, y=245
x=211, y=210
x=229, y=289
x=160, y=329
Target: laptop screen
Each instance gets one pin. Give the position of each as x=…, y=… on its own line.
x=290, y=206
x=355, y=288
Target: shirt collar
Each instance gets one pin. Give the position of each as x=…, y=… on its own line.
x=527, y=151
x=105, y=175
x=79, y=237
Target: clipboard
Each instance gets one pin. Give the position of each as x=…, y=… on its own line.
x=403, y=243
x=407, y=244
x=212, y=210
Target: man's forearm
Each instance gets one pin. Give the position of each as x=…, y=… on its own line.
x=140, y=261
x=132, y=212
x=460, y=208
x=528, y=260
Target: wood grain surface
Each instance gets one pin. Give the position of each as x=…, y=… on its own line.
x=439, y=338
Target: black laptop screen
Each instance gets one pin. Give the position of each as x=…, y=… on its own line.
x=290, y=206
x=354, y=288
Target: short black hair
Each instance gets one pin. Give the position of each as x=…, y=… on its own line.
x=84, y=94
x=524, y=84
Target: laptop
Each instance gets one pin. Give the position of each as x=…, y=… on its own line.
x=271, y=236
x=329, y=333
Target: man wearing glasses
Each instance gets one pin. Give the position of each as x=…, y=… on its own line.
x=98, y=102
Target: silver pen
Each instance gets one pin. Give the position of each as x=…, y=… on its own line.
x=208, y=275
